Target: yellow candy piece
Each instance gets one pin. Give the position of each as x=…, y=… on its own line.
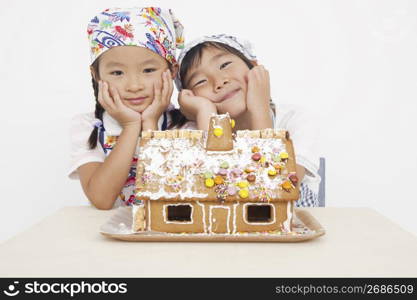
x=263, y=159
x=286, y=185
x=272, y=172
x=209, y=182
x=243, y=184
x=232, y=123
x=244, y=193
x=218, y=131
x=218, y=180
x=283, y=155
x=255, y=149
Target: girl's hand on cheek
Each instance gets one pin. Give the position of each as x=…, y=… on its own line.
x=193, y=106
x=160, y=102
x=258, y=92
x=110, y=100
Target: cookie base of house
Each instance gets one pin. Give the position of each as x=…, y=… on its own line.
x=218, y=218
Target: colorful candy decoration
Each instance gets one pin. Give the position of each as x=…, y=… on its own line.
x=251, y=178
x=221, y=191
x=232, y=123
x=249, y=169
x=283, y=155
x=277, y=167
x=286, y=185
x=209, y=182
x=237, y=172
x=263, y=194
x=231, y=190
x=218, y=180
x=256, y=156
x=244, y=193
x=218, y=131
x=272, y=172
x=243, y=184
x=208, y=175
x=222, y=172
x=293, y=178
x=234, y=180
x=224, y=165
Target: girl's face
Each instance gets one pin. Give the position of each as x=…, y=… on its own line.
x=133, y=71
x=220, y=77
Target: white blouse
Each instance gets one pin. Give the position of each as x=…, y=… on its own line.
x=80, y=129
x=303, y=131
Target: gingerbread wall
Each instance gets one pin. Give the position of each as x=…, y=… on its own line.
x=216, y=217
x=281, y=213
x=158, y=219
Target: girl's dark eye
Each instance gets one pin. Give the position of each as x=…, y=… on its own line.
x=224, y=65
x=117, y=73
x=199, y=82
x=149, y=70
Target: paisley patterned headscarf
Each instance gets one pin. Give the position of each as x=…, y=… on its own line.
x=154, y=28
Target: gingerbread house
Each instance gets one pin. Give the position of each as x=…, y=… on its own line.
x=215, y=182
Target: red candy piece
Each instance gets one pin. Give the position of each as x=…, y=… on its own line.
x=256, y=156
x=251, y=178
x=293, y=178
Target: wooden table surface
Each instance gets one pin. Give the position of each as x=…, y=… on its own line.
x=359, y=242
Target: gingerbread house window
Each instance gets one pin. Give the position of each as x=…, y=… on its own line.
x=179, y=213
x=259, y=213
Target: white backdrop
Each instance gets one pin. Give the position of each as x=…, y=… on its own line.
x=352, y=63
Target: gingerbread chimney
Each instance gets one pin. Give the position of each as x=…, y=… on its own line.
x=219, y=136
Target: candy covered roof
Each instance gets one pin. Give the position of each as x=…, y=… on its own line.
x=187, y=165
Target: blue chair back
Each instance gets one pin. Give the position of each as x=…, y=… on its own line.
x=322, y=187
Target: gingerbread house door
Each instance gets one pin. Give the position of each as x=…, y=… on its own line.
x=219, y=219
